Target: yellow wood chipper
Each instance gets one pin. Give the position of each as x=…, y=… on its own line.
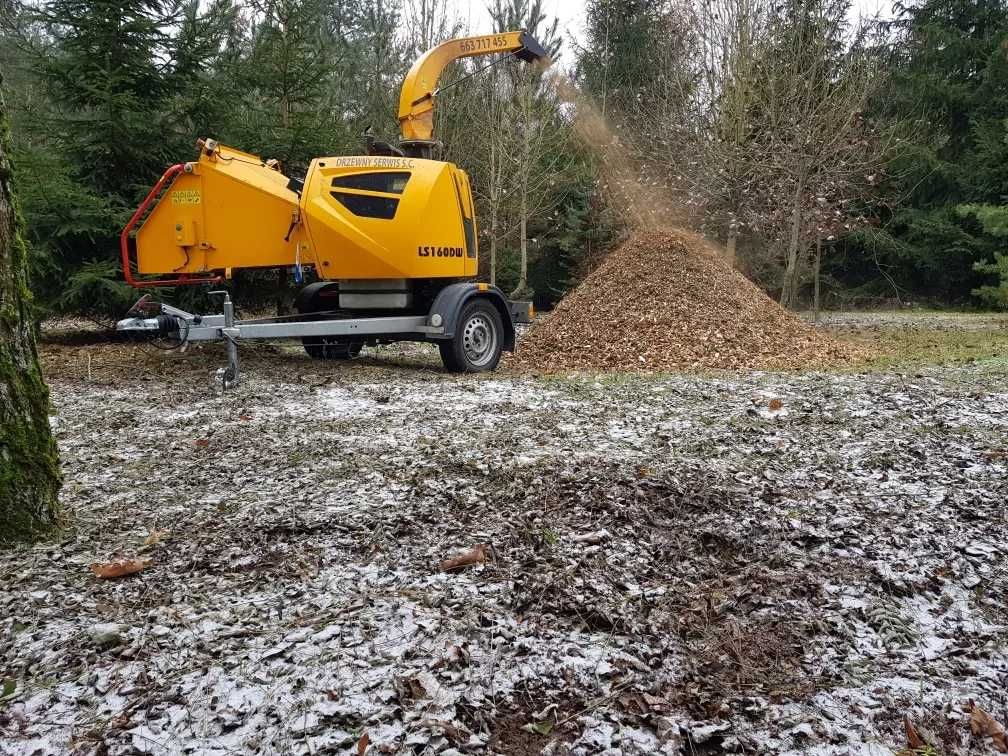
x=390, y=236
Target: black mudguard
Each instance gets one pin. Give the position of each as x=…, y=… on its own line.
x=452, y=298
x=318, y=297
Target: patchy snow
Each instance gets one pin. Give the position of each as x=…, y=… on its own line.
x=677, y=564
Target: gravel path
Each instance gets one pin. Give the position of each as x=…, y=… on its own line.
x=764, y=563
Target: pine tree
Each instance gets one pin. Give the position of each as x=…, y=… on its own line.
x=204, y=50
x=621, y=61
x=994, y=219
x=949, y=78
x=108, y=75
x=95, y=142
x=283, y=78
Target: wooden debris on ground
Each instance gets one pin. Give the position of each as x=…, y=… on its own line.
x=120, y=568
x=666, y=300
x=476, y=555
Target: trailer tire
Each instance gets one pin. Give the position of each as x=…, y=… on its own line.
x=312, y=299
x=329, y=348
x=478, y=341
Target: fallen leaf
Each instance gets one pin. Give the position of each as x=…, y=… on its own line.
x=592, y=539
x=775, y=404
x=202, y=442
x=914, y=740
x=410, y=689
x=633, y=703
x=476, y=555
x=363, y=743
x=655, y=702
x=983, y=724
x=155, y=537
x=417, y=689
x=121, y=568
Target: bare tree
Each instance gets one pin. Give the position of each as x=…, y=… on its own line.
x=697, y=120
x=811, y=146
x=470, y=121
x=531, y=124
x=430, y=22
x=496, y=167
x=754, y=121
x=729, y=34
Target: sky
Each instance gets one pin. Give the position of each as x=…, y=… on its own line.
x=571, y=14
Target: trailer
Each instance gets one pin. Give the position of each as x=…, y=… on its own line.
x=471, y=323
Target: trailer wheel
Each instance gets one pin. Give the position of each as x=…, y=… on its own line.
x=329, y=348
x=476, y=346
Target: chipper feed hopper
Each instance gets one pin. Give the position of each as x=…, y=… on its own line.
x=390, y=238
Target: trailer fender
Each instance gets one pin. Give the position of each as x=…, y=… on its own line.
x=318, y=297
x=451, y=299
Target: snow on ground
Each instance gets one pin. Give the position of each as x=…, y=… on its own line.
x=683, y=564
x=911, y=319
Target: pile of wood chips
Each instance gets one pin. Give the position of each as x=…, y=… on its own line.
x=667, y=300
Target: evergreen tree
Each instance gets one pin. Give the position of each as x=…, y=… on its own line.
x=95, y=143
x=204, y=51
x=949, y=78
x=380, y=65
x=108, y=75
x=622, y=59
x=994, y=220
x=283, y=78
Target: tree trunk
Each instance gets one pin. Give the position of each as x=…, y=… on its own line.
x=791, y=270
x=493, y=245
x=730, y=254
x=494, y=227
x=523, y=272
x=526, y=169
x=818, y=267
x=520, y=289
x=29, y=466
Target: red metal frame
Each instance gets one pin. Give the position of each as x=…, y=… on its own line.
x=183, y=279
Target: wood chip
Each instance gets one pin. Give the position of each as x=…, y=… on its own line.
x=668, y=301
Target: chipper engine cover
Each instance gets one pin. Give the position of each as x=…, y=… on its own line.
x=360, y=217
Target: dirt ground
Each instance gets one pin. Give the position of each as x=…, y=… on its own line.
x=765, y=563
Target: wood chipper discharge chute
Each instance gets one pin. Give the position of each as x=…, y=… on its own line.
x=390, y=237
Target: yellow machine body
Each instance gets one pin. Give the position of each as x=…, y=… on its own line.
x=358, y=217
x=389, y=217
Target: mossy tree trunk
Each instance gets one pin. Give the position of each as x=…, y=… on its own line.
x=29, y=467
